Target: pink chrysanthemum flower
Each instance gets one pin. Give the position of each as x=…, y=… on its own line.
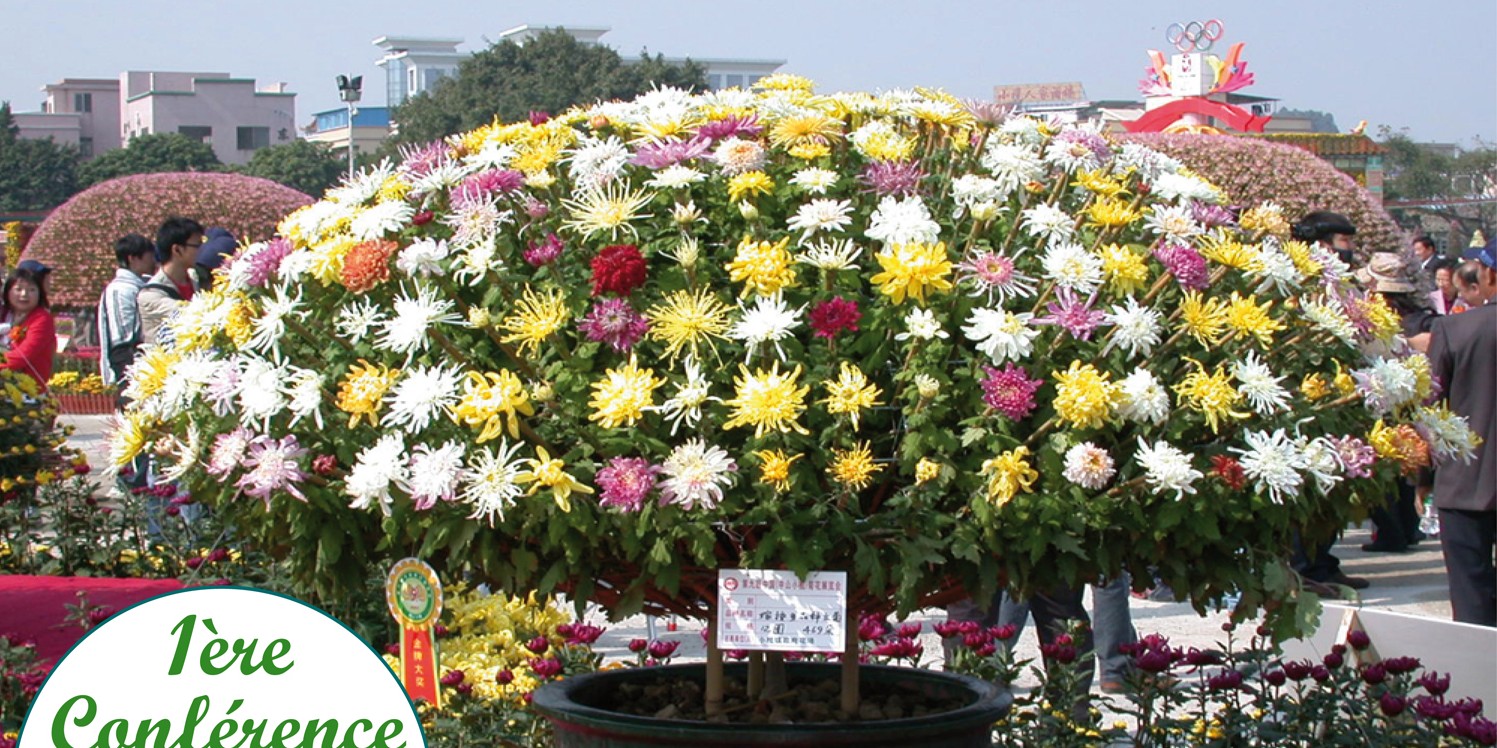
x=270, y=466
x=1211, y=216
x=419, y=161
x=665, y=153
x=1186, y=264
x=535, y=208
x=485, y=183
x=264, y=264
x=545, y=252
x=899, y=178
x=993, y=275
x=1009, y=390
x=228, y=451
x=626, y=482
x=1072, y=313
x=831, y=317
x=731, y=127
x=614, y=322
x=1356, y=456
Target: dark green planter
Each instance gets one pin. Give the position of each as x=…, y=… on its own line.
x=578, y=724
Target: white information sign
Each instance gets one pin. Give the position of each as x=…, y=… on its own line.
x=1190, y=75
x=776, y=611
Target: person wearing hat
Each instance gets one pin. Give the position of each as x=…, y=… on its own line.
x=1463, y=359
x=40, y=270
x=217, y=245
x=1332, y=230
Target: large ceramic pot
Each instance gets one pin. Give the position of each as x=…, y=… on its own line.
x=572, y=707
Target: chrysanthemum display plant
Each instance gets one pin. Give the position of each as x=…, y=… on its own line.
x=896, y=335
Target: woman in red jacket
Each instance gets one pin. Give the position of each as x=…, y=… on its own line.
x=31, y=337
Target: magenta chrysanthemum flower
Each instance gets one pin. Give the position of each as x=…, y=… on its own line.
x=614, y=322
x=831, y=317
x=228, y=451
x=535, y=208
x=1356, y=456
x=1211, y=216
x=1186, y=264
x=418, y=161
x=993, y=274
x=264, y=264
x=545, y=252
x=539, y=117
x=900, y=178
x=270, y=466
x=485, y=183
x=1074, y=314
x=1010, y=391
x=626, y=481
x=732, y=127
x=670, y=152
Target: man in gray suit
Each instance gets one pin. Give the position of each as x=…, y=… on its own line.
x=1463, y=358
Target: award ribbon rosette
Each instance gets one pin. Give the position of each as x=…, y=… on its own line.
x=414, y=596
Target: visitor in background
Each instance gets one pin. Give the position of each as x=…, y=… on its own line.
x=30, y=335
x=217, y=245
x=177, y=244
x=1463, y=360
x=1428, y=254
x=119, y=311
x=1445, y=295
x=1112, y=626
x=1467, y=286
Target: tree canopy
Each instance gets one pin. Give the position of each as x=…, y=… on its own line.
x=302, y=165
x=549, y=73
x=34, y=174
x=150, y=154
x=1441, y=184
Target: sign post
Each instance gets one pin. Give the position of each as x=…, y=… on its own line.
x=776, y=611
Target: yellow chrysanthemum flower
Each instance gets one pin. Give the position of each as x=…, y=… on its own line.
x=151, y=370
x=774, y=468
x=1299, y=254
x=854, y=467
x=1224, y=249
x=1314, y=387
x=1401, y=444
x=784, y=82
x=607, y=209
x=1210, y=393
x=913, y=270
x=926, y=470
x=1344, y=382
x=1112, y=212
x=1084, y=397
x=1008, y=474
x=767, y=400
x=495, y=401
x=1424, y=382
x=544, y=471
x=850, y=393
x=1383, y=318
x=1268, y=218
x=127, y=437
x=763, y=267
x=1127, y=271
x=534, y=318
x=1204, y=318
x=393, y=190
x=807, y=128
x=363, y=390
x=687, y=319
x=621, y=397
x=327, y=258
x=1102, y=182
x=809, y=151
x=748, y=185
x=1245, y=316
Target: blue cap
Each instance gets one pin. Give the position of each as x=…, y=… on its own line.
x=218, y=245
x=1486, y=255
x=33, y=266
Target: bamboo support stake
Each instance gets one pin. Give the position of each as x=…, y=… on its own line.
x=714, y=679
x=850, y=697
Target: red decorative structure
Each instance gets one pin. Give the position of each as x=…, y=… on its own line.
x=1195, y=84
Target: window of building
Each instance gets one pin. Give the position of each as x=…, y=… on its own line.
x=86, y=147
x=197, y=132
x=430, y=76
x=715, y=81
x=253, y=138
x=413, y=87
x=394, y=75
x=733, y=80
x=83, y=102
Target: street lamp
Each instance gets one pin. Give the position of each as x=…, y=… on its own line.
x=350, y=90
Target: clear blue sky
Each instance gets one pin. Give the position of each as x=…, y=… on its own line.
x=1429, y=66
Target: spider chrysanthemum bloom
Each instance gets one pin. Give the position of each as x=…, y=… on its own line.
x=767, y=400
x=762, y=267
x=1084, y=397
x=534, y=318
x=854, y=467
x=606, y=209
x=363, y=390
x=621, y=397
x=993, y=275
x=688, y=319
x=850, y=393
x=1205, y=319
x=367, y=265
x=913, y=270
x=1210, y=393
x=495, y=401
x=1245, y=316
x=1008, y=474
x=749, y=184
x=1126, y=271
x=774, y=468
x=545, y=471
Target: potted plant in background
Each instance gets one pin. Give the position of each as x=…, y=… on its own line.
x=901, y=336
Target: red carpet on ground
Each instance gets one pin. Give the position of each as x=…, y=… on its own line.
x=35, y=608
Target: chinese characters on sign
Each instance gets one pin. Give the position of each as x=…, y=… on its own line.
x=1038, y=93
x=777, y=611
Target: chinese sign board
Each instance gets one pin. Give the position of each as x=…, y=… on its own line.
x=1039, y=93
x=776, y=611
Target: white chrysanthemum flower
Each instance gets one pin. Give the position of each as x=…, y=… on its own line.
x=969, y=190
x=259, y=391
x=695, y=474
x=736, y=156
x=235, y=275
x=1022, y=129
x=691, y=395
x=596, y=161
x=440, y=178
x=1149, y=163
x=355, y=320
x=1001, y=334
x=473, y=265
x=1329, y=315
x=477, y=221
x=921, y=324
x=491, y=155
x=1386, y=384
x=831, y=255
x=1012, y=165
x=270, y=326
x=927, y=385
x=675, y=177
x=1144, y=399
x=1089, y=466
x=1047, y=222
x=380, y=219
x=1322, y=462
x=1274, y=462
x=821, y=215
x=814, y=180
x=375, y=471
x=1181, y=188
x=1167, y=469
x=182, y=455
x=1275, y=270
x=361, y=189
x=405, y=332
x=769, y=320
x=1072, y=156
x=489, y=484
x=432, y=474
x=1138, y=327
x=187, y=379
x=424, y=393
x=902, y=221
x=1071, y=266
x=1449, y=436
x=1332, y=269
x=304, y=395
x=1174, y=223
x=1257, y=383
x=687, y=252
x=294, y=266
x=423, y=257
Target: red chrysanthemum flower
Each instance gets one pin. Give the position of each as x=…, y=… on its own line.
x=831, y=317
x=367, y=265
x=1229, y=471
x=618, y=269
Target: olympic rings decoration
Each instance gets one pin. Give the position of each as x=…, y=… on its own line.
x=1195, y=35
